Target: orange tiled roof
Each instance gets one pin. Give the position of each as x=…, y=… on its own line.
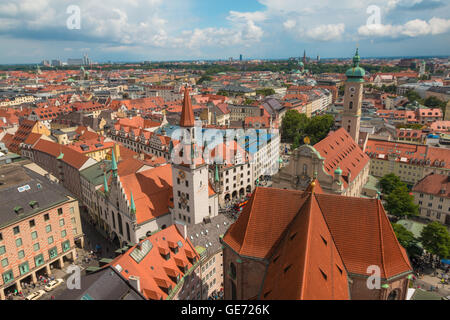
x=152, y=192
x=187, y=114
x=436, y=184
x=357, y=228
x=155, y=273
x=340, y=150
x=71, y=157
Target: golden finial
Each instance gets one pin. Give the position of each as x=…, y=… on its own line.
x=313, y=185
x=307, y=140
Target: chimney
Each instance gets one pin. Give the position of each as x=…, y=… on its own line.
x=135, y=283
x=182, y=229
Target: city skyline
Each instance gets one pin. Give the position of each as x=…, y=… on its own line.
x=198, y=30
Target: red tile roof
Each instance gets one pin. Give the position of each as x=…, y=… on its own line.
x=310, y=234
x=152, y=192
x=436, y=184
x=155, y=272
x=73, y=158
x=187, y=114
x=340, y=150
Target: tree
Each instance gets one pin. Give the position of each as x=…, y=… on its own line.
x=293, y=123
x=406, y=239
x=413, y=96
x=400, y=202
x=204, y=78
x=296, y=126
x=390, y=182
x=436, y=239
x=433, y=102
x=318, y=127
x=265, y=92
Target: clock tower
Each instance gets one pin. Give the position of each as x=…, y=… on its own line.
x=190, y=181
x=354, y=86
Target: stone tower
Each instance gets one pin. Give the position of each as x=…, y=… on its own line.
x=354, y=87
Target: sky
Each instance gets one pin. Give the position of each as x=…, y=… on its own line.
x=162, y=30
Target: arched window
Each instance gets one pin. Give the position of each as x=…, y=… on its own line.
x=305, y=169
x=119, y=221
x=128, y=231
x=350, y=105
x=394, y=295
x=233, y=270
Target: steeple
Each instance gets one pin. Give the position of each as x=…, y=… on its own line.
x=114, y=164
x=187, y=114
x=132, y=205
x=105, y=183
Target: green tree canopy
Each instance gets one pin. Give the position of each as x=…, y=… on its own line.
x=390, y=182
x=400, y=203
x=433, y=102
x=297, y=126
x=265, y=92
x=406, y=239
x=414, y=96
x=436, y=239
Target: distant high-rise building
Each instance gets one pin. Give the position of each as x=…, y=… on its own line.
x=75, y=62
x=45, y=63
x=304, y=57
x=86, y=60
x=318, y=58
x=240, y=58
x=422, y=68
x=56, y=63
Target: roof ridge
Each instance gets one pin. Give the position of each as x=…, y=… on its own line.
x=308, y=237
x=381, y=238
x=399, y=246
x=251, y=202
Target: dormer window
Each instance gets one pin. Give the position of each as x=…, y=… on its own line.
x=34, y=204
x=18, y=210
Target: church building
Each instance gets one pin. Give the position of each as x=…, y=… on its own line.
x=337, y=161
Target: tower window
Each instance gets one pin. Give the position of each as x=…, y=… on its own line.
x=350, y=105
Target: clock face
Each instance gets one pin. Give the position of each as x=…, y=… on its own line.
x=352, y=89
x=182, y=175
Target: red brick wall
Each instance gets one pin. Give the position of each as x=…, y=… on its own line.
x=9, y=239
x=249, y=276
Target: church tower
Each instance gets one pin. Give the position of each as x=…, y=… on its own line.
x=354, y=87
x=190, y=180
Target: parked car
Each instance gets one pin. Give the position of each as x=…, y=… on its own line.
x=36, y=295
x=53, y=284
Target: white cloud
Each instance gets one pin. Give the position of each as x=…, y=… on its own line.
x=290, y=24
x=413, y=28
x=327, y=32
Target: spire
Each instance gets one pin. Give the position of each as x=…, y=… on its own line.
x=356, y=58
x=132, y=205
x=114, y=164
x=187, y=114
x=105, y=183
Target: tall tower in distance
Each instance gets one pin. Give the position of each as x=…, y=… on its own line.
x=190, y=181
x=354, y=87
x=304, y=57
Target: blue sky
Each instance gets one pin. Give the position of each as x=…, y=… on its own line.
x=136, y=30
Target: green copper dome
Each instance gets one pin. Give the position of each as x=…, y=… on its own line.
x=356, y=73
x=338, y=171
